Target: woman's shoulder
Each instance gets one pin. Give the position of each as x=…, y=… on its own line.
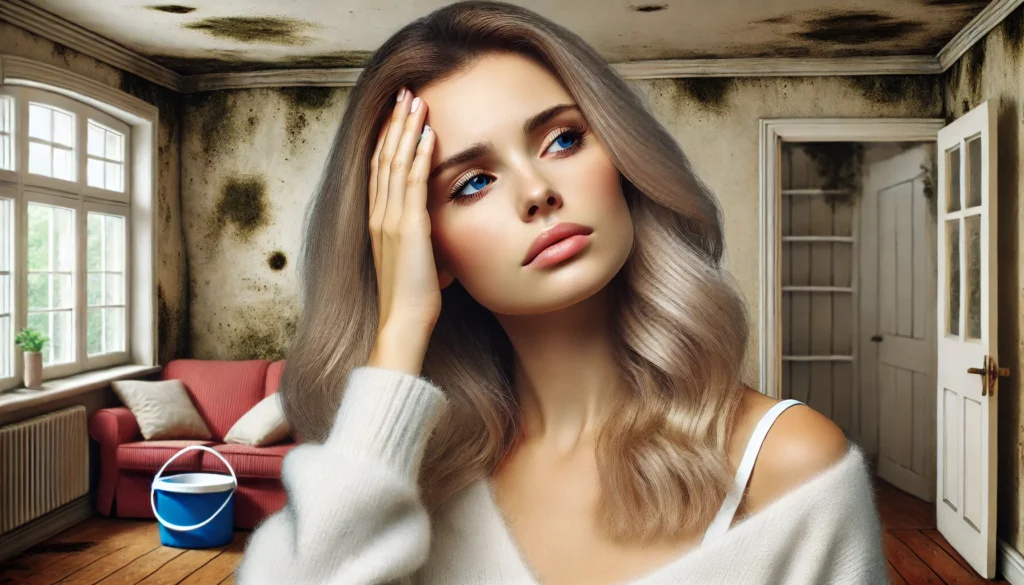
x=801, y=444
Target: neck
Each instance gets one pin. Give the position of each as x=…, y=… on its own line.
x=565, y=375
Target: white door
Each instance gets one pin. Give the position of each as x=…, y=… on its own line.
x=901, y=328
x=967, y=389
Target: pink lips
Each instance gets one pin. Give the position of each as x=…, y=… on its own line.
x=555, y=235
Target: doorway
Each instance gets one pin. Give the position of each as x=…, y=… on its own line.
x=858, y=272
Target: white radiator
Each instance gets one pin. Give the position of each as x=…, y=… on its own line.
x=44, y=464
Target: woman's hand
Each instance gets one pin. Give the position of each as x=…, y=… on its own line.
x=407, y=280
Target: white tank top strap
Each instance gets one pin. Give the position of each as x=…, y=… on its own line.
x=723, y=520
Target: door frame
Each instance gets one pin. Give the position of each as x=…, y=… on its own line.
x=773, y=132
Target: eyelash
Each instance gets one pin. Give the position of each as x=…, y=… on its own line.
x=577, y=131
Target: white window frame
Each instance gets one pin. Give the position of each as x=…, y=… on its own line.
x=137, y=120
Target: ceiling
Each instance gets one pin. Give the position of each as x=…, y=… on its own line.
x=213, y=36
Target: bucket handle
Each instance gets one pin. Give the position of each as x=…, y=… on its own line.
x=152, y=489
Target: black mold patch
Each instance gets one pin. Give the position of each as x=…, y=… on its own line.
x=230, y=61
x=857, y=28
x=261, y=335
x=711, y=93
x=216, y=120
x=242, y=203
x=787, y=19
x=254, y=29
x=62, y=53
x=172, y=8
x=304, y=102
x=1012, y=33
x=649, y=8
x=168, y=103
x=923, y=92
x=172, y=326
x=277, y=261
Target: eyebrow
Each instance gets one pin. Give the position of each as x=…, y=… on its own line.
x=481, y=148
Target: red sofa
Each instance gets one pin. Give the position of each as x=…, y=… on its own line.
x=222, y=392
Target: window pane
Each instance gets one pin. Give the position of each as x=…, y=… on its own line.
x=974, y=170
x=6, y=156
x=64, y=233
x=94, y=289
x=953, y=283
x=113, y=181
x=94, y=332
x=63, y=164
x=96, y=138
x=6, y=128
x=51, y=244
x=953, y=172
x=115, y=242
x=39, y=118
x=39, y=159
x=974, y=284
x=38, y=291
x=114, y=329
x=95, y=173
x=115, y=289
x=94, y=244
x=63, y=124
x=114, y=148
x=63, y=337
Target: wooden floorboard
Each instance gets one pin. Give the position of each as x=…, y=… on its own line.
x=109, y=551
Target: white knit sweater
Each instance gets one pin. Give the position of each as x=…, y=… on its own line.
x=354, y=515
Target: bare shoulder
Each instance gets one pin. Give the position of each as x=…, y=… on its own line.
x=801, y=444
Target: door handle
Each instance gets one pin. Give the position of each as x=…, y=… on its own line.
x=876, y=338
x=990, y=374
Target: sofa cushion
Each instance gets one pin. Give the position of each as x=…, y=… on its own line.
x=162, y=409
x=249, y=461
x=151, y=455
x=263, y=425
x=222, y=390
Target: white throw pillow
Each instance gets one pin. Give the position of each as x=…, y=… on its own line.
x=163, y=409
x=264, y=424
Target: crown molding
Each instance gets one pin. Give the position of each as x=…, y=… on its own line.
x=975, y=30
x=56, y=29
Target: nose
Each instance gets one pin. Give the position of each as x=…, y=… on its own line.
x=540, y=200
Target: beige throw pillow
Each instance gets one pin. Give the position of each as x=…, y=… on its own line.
x=163, y=409
x=264, y=424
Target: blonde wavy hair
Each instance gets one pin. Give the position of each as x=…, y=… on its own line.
x=680, y=327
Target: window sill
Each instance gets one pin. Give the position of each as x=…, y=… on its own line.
x=58, y=388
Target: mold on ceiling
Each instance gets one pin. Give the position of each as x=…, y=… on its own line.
x=207, y=36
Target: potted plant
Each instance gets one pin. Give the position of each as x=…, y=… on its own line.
x=32, y=342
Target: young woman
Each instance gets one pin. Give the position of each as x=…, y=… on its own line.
x=518, y=356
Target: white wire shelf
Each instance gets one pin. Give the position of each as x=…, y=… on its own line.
x=818, y=289
x=817, y=358
x=817, y=239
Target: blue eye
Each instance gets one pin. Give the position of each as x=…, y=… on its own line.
x=565, y=140
x=477, y=183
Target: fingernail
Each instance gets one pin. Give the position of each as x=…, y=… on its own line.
x=401, y=94
x=415, y=104
x=426, y=130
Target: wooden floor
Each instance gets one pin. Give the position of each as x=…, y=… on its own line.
x=126, y=552
x=916, y=552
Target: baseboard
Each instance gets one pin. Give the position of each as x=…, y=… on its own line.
x=1010, y=563
x=25, y=537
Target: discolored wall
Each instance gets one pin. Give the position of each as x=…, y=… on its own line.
x=172, y=264
x=250, y=161
x=992, y=69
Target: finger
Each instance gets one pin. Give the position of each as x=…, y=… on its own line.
x=416, y=194
x=387, y=153
x=401, y=163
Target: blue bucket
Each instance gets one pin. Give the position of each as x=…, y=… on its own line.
x=196, y=510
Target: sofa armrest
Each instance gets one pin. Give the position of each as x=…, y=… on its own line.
x=113, y=426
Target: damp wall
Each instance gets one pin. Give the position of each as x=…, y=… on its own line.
x=172, y=263
x=994, y=70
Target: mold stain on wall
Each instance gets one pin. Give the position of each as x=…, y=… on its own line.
x=254, y=29
x=217, y=118
x=304, y=103
x=259, y=333
x=243, y=205
x=922, y=93
x=710, y=93
x=277, y=260
x=857, y=28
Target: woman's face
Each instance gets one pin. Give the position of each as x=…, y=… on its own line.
x=520, y=180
